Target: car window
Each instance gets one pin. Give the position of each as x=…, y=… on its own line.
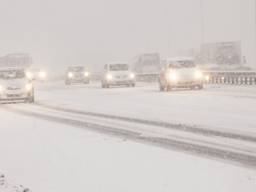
x=118, y=67
x=76, y=69
x=181, y=64
x=13, y=74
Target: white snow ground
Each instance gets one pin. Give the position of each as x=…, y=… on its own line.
x=219, y=107
x=46, y=156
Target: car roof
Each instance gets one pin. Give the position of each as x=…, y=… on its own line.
x=11, y=68
x=34, y=69
x=118, y=62
x=72, y=67
x=180, y=59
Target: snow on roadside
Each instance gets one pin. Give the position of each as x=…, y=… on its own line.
x=52, y=157
x=7, y=185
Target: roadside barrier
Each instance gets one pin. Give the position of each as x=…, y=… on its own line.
x=213, y=77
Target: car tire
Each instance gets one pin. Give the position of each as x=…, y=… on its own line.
x=104, y=85
x=169, y=88
x=31, y=99
x=200, y=87
x=161, y=88
x=131, y=85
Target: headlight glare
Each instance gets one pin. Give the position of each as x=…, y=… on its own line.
x=70, y=75
x=132, y=75
x=29, y=75
x=86, y=74
x=173, y=76
x=42, y=74
x=207, y=78
x=109, y=77
x=198, y=74
x=28, y=87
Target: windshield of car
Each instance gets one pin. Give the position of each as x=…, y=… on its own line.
x=181, y=64
x=76, y=69
x=119, y=67
x=12, y=74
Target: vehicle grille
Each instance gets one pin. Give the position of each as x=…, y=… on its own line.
x=13, y=95
x=13, y=88
x=121, y=77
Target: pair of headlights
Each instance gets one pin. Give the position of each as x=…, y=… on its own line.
x=28, y=87
x=174, y=77
x=42, y=75
x=110, y=76
x=31, y=76
x=71, y=75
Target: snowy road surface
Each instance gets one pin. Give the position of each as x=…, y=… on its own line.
x=218, y=107
x=50, y=156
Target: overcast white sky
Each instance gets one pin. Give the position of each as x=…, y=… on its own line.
x=93, y=32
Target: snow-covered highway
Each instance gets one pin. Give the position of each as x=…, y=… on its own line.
x=182, y=122
x=229, y=146
x=215, y=107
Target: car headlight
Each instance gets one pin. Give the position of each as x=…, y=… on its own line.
x=29, y=75
x=173, y=76
x=28, y=87
x=70, y=75
x=207, y=78
x=132, y=75
x=109, y=77
x=86, y=74
x=42, y=75
x=198, y=74
x=1, y=88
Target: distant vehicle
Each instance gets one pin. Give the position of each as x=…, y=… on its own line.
x=146, y=63
x=180, y=73
x=117, y=74
x=20, y=60
x=2, y=179
x=36, y=74
x=14, y=86
x=77, y=74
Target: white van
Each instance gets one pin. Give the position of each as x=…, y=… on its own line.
x=180, y=72
x=117, y=74
x=15, y=86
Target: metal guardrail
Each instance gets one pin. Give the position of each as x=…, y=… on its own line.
x=232, y=77
x=214, y=77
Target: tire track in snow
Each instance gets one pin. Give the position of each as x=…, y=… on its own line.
x=179, y=127
x=188, y=146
